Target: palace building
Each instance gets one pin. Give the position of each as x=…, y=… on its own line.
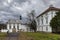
x=16, y=25
x=43, y=20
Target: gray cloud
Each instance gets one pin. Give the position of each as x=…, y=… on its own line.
x=14, y=8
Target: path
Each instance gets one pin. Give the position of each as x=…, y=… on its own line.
x=12, y=36
x=23, y=36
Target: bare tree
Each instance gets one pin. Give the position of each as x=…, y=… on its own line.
x=32, y=21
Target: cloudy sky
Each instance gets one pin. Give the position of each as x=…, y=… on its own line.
x=10, y=9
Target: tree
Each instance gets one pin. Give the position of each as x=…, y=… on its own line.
x=2, y=26
x=55, y=23
x=32, y=21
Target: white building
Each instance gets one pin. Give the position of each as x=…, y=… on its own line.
x=43, y=20
x=16, y=25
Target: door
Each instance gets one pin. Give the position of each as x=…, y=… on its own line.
x=14, y=29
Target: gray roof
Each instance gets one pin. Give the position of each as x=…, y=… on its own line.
x=49, y=9
x=14, y=21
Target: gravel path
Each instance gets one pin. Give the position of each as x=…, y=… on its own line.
x=12, y=36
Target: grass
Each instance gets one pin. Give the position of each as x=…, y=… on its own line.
x=3, y=34
x=34, y=36
x=40, y=36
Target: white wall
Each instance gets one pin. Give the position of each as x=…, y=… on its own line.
x=3, y=30
x=24, y=28
x=42, y=27
x=8, y=26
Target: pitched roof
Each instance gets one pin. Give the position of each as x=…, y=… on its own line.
x=49, y=9
x=13, y=21
x=18, y=21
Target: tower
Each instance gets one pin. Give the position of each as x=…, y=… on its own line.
x=20, y=17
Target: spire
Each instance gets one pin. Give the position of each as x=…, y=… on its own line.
x=20, y=17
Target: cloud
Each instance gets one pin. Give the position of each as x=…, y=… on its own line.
x=14, y=8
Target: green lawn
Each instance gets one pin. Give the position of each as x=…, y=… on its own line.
x=35, y=36
x=43, y=36
x=3, y=34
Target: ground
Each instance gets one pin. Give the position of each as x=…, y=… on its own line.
x=2, y=36
x=39, y=36
x=33, y=36
x=10, y=36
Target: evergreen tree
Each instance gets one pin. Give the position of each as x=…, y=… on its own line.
x=55, y=23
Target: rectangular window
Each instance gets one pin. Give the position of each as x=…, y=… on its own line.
x=38, y=21
x=10, y=27
x=52, y=14
x=14, y=26
x=41, y=19
x=46, y=18
x=18, y=26
x=46, y=28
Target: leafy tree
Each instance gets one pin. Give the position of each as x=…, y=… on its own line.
x=2, y=26
x=55, y=23
x=32, y=21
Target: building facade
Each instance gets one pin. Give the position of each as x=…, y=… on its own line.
x=16, y=25
x=43, y=20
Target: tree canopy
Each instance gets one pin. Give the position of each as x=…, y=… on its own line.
x=2, y=26
x=55, y=23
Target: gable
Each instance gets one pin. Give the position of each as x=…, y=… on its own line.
x=48, y=10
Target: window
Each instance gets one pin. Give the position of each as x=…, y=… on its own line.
x=46, y=28
x=38, y=21
x=51, y=13
x=27, y=29
x=10, y=27
x=14, y=26
x=41, y=19
x=42, y=28
x=46, y=18
x=18, y=26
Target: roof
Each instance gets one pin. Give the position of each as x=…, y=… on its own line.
x=49, y=9
x=13, y=21
x=23, y=22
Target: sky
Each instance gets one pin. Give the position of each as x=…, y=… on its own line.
x=12, y=9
